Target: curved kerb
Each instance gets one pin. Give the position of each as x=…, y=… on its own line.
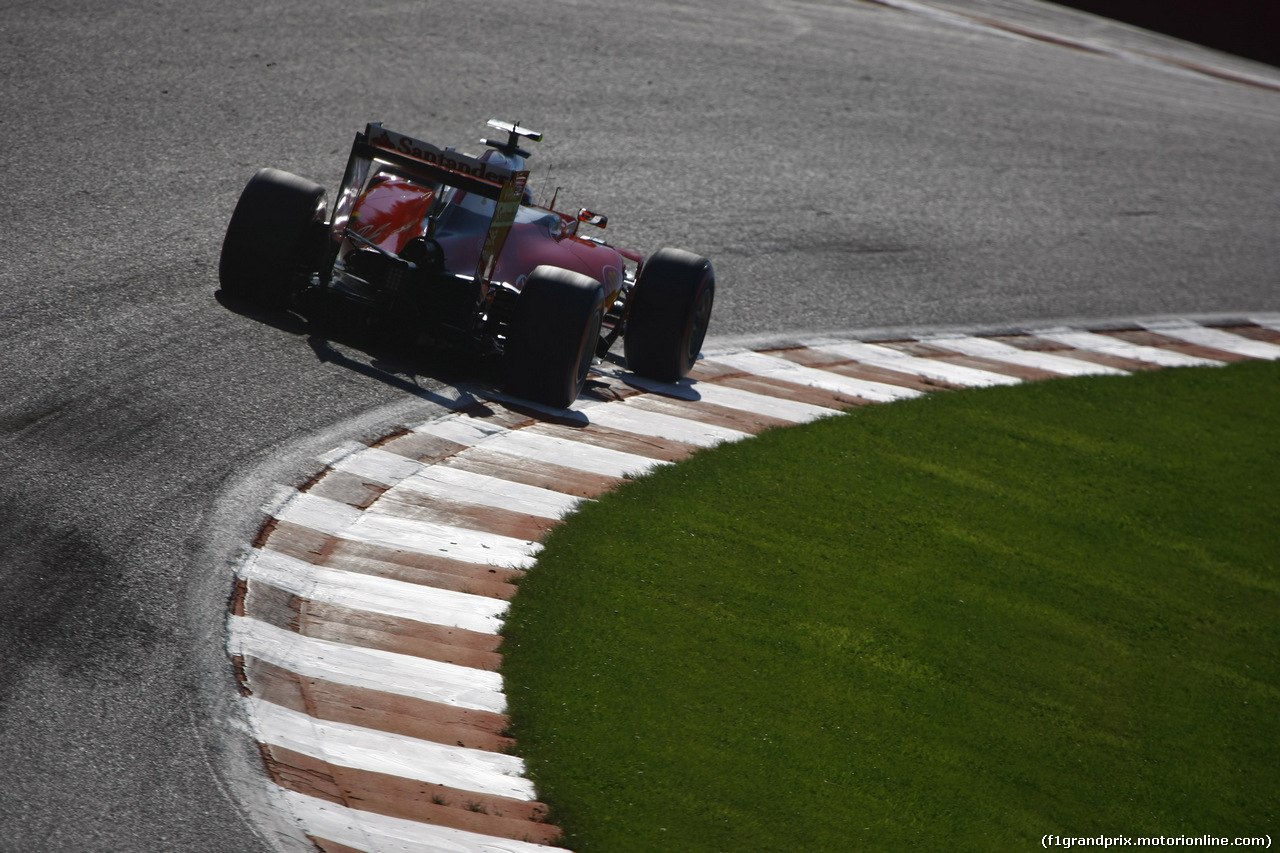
x=364, y=624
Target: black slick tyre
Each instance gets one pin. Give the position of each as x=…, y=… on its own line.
x=669, y=313
x=552, y=336
x=274, y=240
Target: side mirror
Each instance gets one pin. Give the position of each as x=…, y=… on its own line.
x=597, y=219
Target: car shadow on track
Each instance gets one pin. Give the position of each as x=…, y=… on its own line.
x=398, y=366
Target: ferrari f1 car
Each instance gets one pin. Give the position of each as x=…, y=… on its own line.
x=449, y=248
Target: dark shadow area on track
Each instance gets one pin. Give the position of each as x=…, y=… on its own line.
x=1246, y=28
x=394, y=363
x=400, y=365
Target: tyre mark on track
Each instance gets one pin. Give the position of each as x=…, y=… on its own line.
x=365, y=624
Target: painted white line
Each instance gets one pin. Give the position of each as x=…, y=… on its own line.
x=773, y=367
x=670, y=427
x=377, y=528
x=542, y=448
x=417, y=602
x=1000, y=351
x=730, y=398
x=456, y=484
x=372, y=463
x=376, y=833
x=892, y=359
x=1114, y=346
x=394, y=754
x=1196, y=334
x=375, y=669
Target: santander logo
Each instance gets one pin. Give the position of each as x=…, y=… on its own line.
x=451, y=160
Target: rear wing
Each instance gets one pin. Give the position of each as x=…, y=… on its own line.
x=452, y=168
x=432, y=165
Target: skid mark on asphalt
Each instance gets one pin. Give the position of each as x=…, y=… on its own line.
x=365, y=624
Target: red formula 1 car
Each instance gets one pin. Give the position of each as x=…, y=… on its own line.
x=445, y=247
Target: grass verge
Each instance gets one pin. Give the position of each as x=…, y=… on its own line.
x=971, y=619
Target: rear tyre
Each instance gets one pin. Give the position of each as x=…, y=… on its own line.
x=670, y=310
x=275, y=238
x=553, y=335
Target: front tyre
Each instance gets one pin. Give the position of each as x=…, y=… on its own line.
x=669, y=314
x=275, y=238
x=552, y=336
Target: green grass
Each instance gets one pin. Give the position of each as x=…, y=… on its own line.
x=959, y=622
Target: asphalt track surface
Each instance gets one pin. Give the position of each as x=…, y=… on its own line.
x=846, y=166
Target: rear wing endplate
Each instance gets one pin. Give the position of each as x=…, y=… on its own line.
x=504, y=216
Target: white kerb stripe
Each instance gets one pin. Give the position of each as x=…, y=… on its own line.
x=1216, y=338
x=456, y=484
x=761, y=404
x=773, y=367
x=416, y=602
x=372, y=463
x=892, y=359
x=375, y=669
x=1266, y=321
x=320, y=514
x=459, y=429
x=423, y=537
x=572, y=454
x=376, y=833
x=630, y=419
x=540, y=448
x=1114, y=346
x=730, y=398
x=393, y=754
x=1001, y=351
